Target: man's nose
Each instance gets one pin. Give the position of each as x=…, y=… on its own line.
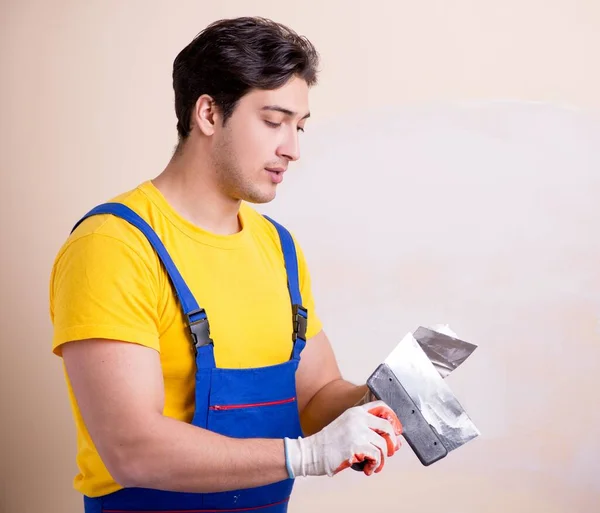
x=290, y=149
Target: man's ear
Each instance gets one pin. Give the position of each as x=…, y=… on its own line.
x=205, y=115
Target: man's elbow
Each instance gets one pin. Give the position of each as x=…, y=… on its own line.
x=128, y=459
x=126, y=469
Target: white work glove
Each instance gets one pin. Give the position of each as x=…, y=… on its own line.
x=366, y=433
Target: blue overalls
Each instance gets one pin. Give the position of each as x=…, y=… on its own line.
x=242, y=403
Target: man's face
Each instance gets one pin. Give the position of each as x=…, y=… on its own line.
x=260, y=139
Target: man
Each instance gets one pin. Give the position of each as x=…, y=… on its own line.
x=198, y=371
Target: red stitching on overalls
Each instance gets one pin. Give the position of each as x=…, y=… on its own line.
x=250, y=405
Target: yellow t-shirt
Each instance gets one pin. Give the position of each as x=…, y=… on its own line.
x=108, y=282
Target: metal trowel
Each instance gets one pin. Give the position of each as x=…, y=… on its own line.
x=411, y=382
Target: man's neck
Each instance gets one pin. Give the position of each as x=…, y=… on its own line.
x=189, y=186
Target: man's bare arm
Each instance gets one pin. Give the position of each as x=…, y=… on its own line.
x=119, y=390
x=323, y=394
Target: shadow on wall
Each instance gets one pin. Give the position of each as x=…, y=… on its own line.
x=484, y=216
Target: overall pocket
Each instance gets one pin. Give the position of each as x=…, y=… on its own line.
x=223, y=407
x=260, y=419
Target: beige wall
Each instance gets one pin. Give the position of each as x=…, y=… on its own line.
x=473, y=201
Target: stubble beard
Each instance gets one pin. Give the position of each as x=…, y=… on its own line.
x=231, y=178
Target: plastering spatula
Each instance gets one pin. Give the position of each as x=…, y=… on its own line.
x=411, y=382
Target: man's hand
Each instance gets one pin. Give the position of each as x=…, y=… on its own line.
x=366, y=433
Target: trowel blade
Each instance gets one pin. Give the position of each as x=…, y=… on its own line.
x=429, y=391
x=446, y=352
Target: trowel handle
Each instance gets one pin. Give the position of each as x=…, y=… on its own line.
x=420, y=435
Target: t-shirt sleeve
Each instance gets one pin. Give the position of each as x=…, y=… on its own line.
x=314, y=324
x=101, y=287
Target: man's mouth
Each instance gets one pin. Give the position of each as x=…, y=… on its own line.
x=276, y=173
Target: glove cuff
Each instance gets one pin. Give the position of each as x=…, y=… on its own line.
x=289, y=450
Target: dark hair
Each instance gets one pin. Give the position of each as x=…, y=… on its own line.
x=230, y=57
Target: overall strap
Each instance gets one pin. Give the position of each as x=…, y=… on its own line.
x=299, y=312
x=196, y=317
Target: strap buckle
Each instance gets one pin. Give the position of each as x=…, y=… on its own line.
x=299, y=322
x=199, y=328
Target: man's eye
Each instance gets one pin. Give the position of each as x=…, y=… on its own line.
x=271, y=124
